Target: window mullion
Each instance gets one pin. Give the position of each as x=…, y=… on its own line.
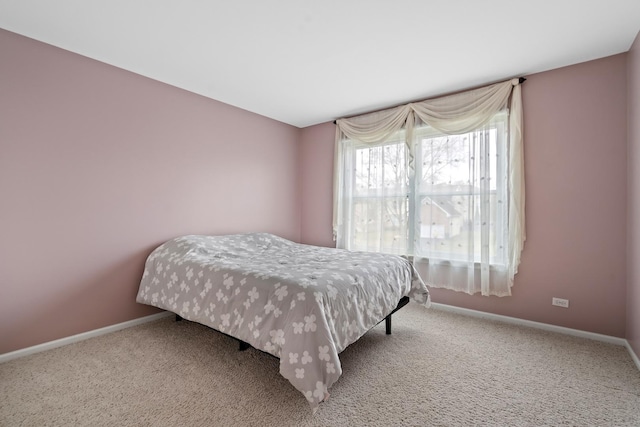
x=485, y=217
x=411, y=194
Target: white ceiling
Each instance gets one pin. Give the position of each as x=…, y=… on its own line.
x=305, y=62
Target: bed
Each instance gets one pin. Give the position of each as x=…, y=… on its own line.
x=303, y=304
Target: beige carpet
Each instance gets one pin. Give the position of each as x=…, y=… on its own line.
x=437, y=368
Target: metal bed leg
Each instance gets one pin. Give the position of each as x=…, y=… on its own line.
x=387, y=320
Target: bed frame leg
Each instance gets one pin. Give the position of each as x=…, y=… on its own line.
x=387, y=320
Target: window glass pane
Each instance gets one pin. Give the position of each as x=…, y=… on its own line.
x=460, y=195
x=445, y=162
x=444, y=226
x=380, y=224
x=380, y=213
x=381, y=169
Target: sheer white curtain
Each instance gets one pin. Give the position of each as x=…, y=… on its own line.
x=441, y=180
x=374, y=184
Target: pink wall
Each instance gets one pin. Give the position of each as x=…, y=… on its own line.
x=98, y=166
x=575, y=160
x=316, y=180
x=633, y=213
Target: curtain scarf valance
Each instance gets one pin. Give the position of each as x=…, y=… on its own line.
x=454, y=114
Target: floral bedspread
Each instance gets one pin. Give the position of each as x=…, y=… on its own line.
x=303, y=304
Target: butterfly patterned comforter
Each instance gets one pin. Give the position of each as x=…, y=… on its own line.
x=303, y=304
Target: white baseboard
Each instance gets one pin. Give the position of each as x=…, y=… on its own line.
x=80, y=337
x=545, y=326
x=444, y=307
x=633, y=354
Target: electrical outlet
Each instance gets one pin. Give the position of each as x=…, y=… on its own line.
x=560, y=302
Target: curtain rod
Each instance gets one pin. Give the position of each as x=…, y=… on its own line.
x=520, y=81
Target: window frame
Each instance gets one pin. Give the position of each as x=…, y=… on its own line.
x=500, y=122
x=398, y=138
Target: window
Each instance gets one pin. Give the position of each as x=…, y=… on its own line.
x=461, y=191
x=379, y=220
x=441, y=181
x=447, y=208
